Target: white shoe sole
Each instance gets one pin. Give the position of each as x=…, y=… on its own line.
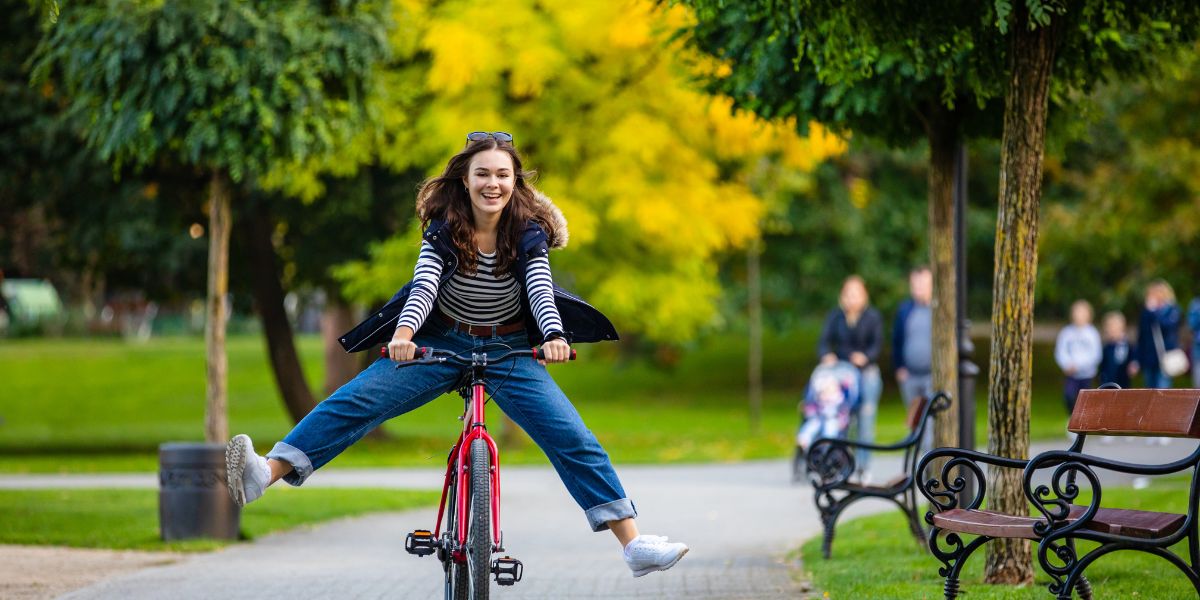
x=648, y=570
x=236, y=452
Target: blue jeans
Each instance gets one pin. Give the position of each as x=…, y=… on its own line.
x=870, y=390
x=1156, y=378
x=527, y=393
x=1195, y=369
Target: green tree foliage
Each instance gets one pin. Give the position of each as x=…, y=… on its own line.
x=228, y=87
x=62, y=216
x=1126, y=199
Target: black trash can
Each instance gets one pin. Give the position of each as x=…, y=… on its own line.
x=193, y=501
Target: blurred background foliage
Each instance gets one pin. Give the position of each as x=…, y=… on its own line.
x=664, y=185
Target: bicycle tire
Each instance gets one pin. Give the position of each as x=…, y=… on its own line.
x=458, y=586
x=479, y=535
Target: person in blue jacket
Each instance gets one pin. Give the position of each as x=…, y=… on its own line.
x=482, y=282
x=1117, y=354
x=1194, y=325
x=1160, y=317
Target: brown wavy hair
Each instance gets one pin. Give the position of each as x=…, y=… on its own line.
x=446, y=198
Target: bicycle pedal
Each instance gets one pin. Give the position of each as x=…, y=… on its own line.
x=420, y=542
x=508, y=570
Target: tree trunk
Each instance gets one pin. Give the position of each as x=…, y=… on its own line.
x=754, y=316
x=943, y=143
x=216, y=417
x=340, y=366
x=269, y=296
x=1031, y=57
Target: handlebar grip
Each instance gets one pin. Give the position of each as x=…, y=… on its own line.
x=419, y=353
x=539, y=355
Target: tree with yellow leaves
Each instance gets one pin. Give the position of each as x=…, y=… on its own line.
x=653, y=174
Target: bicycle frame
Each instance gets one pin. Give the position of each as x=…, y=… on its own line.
x=507, y=570
x=474, y=427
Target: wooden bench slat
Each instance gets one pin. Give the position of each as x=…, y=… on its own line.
x=1134, y=523
x=1118, y=521
x=985, y=522
x=1170, y=413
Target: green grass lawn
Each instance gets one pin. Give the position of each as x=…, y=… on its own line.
x=876, y=557
x=128, y=519
x=87, y=405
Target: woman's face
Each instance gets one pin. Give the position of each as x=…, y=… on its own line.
x=854, y=297
x=490, y=181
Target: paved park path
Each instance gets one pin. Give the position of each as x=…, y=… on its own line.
x=741, y=520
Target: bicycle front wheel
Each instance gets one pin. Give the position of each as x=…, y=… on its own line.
x=479, y=535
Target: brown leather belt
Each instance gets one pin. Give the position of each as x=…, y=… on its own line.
x=480, y=330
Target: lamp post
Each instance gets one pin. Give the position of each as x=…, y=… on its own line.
x=967, y=369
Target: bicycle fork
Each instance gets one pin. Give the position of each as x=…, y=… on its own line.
x=507, y=570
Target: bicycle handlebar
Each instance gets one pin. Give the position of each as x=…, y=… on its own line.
x=436, y=355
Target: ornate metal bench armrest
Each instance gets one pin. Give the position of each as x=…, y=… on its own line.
x=830, y=462
x=1055, y=500
x=943, y=492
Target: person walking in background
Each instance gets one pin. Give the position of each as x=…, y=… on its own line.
x=1078, y=352
x=1160, y=319
x=853, y=332
x=912, y=338
x=1116, y=361
x=1194, y=325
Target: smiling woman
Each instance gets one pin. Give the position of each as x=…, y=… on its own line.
x=482, y=282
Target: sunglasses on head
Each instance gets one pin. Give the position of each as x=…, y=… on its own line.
x=501, y=136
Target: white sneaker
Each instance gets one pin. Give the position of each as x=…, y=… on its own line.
x=246, y=473
x=649, y=553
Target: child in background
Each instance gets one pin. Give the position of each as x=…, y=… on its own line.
x=1116, y=363
x=1077, y=352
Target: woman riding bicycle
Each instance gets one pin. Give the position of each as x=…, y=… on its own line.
x=482, y=279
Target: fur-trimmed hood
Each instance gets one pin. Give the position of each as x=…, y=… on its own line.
x=551, y=218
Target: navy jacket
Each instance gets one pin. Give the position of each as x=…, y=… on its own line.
x=583, y=323
x=1166, y=319
x=1114, y=363
x=838, y=337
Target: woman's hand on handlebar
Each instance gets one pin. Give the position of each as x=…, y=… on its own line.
x=402, y=348
x=556, y=350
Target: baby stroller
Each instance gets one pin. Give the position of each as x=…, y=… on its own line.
x=832, y=395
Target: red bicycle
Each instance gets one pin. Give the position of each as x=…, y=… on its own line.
x=471, y=493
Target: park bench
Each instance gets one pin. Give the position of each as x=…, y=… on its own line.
x=1064, y=510
x=831, y=462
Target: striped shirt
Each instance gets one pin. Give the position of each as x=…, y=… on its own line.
x=482, y=298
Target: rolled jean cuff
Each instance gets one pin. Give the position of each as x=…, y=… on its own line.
x=301, y=466
x=599, y=516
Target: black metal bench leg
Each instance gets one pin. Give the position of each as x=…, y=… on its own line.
x=1084, y=587
x=829, y=516
x=827, y=544
x=954, y=558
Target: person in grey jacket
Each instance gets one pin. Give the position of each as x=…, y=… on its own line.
x=912, y=338
x=1078, y=351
